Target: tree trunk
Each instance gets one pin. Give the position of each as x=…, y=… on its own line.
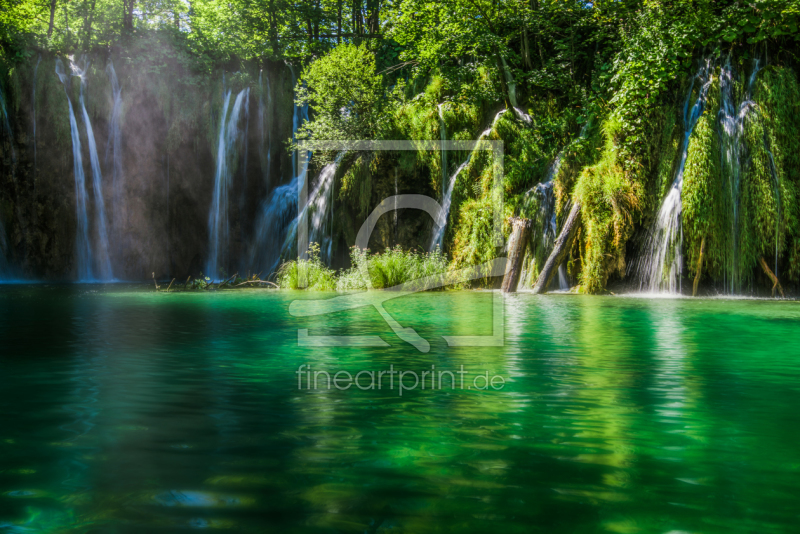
x=339, y=23
x=560, y=249
x=52, y=17
x=699, y=267
x=517, y=243
x=775, y=283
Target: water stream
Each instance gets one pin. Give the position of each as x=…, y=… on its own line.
x=661, y=266
x=83, y=251
x=114, y=152
x=218, y=216
x=732, y=115
x=102, y=261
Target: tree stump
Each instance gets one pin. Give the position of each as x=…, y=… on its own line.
x=517, y=243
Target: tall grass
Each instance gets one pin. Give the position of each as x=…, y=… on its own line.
x=418, y=271
x=307, y=274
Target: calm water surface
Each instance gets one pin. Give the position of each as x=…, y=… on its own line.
x=125, y=411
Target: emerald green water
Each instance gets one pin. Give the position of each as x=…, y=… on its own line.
x=124, y=410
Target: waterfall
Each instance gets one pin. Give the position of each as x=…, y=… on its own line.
x=103, y=263
x=264, y=121
x=544, y=194
x=114, y=149
x=563, y=281
x=438, y=235
x=33, y=108
x=278, y=220
x=83, y=252
x=731, y=132
x=218, y=224
x=441, y=222
x=661, y=267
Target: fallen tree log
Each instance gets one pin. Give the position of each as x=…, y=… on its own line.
x=517, y=243
x=775, y=283
x=560, y=249
x=257, y=282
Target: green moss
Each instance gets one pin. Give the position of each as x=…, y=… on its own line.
x=706, y=211
x=610, y=202
x=778, y=99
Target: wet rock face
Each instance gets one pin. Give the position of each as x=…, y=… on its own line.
x=158, y=218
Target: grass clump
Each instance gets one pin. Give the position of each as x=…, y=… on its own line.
x=307, y=274
x=415, y=270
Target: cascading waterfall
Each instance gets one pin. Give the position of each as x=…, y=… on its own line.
x=661, y=267
x=544, y=194
x=441, y=223
x=103, y=263
x=83, y=252
x=218, y=223
x=114, y=148
x=278, y=212
x=731, y=131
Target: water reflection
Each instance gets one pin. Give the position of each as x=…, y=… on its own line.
x=145, y=412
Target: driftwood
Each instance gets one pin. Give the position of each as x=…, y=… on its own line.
x=517, y=243
x=775, y=283
x=560, y=249
x=170, y=285
x=699, y=267
x=187, y=282
x=154, y=282
x=227, y=281
x=256, y=282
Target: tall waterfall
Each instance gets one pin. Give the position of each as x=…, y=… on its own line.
x=114, y=149
x=732, y=115
x=102, y=262
x=661, y=267
x=218, y=222
x=83, y=251
x=277, y=214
